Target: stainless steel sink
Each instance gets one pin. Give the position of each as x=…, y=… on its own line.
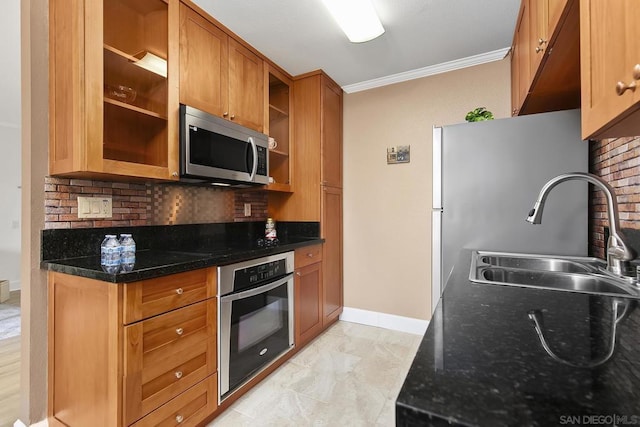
x=571, y=274
x=589, y=265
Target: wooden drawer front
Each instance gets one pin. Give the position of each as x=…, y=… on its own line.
x=188, y=409
x=166, y=355
x=307, y=256
x=151, y=297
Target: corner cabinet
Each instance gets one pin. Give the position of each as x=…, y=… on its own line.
x=218, y=74
x=610, y=65
x=114, y=89
x=140, y=353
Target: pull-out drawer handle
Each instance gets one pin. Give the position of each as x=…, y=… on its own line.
x=179, y=331
x=178, y=374
x=310, y=255
x=179, y=291
x=179, y=418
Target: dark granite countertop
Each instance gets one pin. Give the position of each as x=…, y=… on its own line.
x=164, y=250
x=481, y=362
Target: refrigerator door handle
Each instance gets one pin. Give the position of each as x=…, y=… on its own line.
x=437, y=168
x=436, y=258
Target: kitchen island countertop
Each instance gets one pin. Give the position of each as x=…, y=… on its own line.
x=481, y=362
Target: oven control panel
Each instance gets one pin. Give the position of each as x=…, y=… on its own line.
x=256, y=272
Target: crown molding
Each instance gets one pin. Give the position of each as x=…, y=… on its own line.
x=431, y=70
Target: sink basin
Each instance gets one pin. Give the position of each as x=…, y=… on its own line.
x=541, y=262
x=571, y=274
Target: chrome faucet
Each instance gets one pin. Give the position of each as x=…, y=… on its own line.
x=618, y=251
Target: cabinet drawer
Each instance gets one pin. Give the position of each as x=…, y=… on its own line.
x=188, y=409
x=151, y=297
x=166, y=355
x=307, y=256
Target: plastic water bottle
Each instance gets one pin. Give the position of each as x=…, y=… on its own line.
x=128, y=254
x=110, y=254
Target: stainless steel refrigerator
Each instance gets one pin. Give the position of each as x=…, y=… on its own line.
x=487, y=176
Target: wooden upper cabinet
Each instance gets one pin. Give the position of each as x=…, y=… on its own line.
x=610, y=63
x=546, y=57
x=538, y=32
x=279, y=126
x=218, y=74
x=204, y=67
x=246, y=90
x=520, y=59
x=110, y=116
x=554, y=13
x=331, y=130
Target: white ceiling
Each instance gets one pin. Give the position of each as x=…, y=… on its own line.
x=301, y=35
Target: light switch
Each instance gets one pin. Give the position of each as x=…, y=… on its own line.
x=247, y=209
x=94, y=207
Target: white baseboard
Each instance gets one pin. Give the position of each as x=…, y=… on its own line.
x=384, y=320
x=14, y=285
x=43, y=423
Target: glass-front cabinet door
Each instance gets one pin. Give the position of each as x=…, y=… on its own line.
x=114, y=103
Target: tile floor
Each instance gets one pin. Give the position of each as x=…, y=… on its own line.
x=349, y=376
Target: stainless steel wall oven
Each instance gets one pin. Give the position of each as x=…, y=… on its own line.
x=255, y=324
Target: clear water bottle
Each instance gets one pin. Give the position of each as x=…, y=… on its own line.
x=110, y=254
x=128, y=255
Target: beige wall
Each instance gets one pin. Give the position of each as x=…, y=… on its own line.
x=387, y=208
x=35, y=66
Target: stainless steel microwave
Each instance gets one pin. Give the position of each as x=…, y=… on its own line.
x=215, y=150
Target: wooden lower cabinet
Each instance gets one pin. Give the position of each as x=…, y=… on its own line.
x=167, y=354
x=331, y=230
x=308, y=294
x=104, y=371
x=188, y=409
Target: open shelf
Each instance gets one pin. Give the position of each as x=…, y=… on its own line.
x=134, y=108
x=279, y=153
x=150, y=88
x=277, y=112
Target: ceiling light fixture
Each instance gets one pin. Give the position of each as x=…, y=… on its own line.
x=357, y=18
x=153, y=63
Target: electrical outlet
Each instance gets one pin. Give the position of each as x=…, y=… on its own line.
x=247, y=209
x=95, y=207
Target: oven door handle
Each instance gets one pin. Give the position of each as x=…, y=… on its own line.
x=257, y=291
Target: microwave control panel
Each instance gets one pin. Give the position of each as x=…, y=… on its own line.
x=262, y=161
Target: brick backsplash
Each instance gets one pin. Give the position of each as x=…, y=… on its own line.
x=617, y=161
x=131, y=203
x=137, y=204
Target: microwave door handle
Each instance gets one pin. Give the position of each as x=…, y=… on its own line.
x=254, y=150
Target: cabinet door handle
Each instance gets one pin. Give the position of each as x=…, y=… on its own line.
x=178, y=374
x=298, y=273
x=179, y=418
x=225, y=114
x=621, y=87
x=174, y=174
x=636, y=72
x=233, y=116
x=541, y=41
x=539, y=49
x=179, y=331
x=179, y=291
